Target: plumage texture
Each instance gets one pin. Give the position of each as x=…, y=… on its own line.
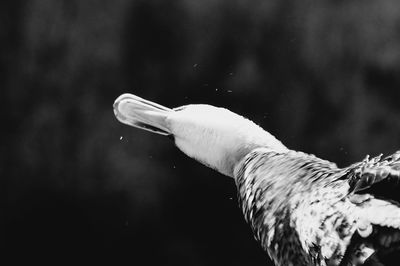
x=302, y=209
x=307, y=211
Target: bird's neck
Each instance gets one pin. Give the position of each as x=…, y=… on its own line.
x=250, y=143
x=217, y=137
x=225, y=151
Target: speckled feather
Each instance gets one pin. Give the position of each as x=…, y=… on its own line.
x=307, y=211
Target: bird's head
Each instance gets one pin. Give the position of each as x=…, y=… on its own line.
x=211, y=135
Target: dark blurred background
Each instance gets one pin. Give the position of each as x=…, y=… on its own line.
x=322, y=76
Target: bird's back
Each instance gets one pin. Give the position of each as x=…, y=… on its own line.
x=300, y=208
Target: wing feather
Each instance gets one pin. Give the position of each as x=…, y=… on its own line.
x=377, y=176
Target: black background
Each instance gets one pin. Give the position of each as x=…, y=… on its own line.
x=322, y=76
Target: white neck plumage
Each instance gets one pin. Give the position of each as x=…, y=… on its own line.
x=213, y=136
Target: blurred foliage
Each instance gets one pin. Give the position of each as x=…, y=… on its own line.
x=323, y=76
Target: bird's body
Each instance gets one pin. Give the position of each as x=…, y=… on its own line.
x=302, y=209
x=305, y=211
x=286, y=198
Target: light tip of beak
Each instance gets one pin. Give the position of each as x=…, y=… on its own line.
x=116, y=109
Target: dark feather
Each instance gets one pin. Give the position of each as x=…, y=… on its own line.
x=376, y=176
x=300, y=206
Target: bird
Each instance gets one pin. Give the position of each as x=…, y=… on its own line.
x=303, y=210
